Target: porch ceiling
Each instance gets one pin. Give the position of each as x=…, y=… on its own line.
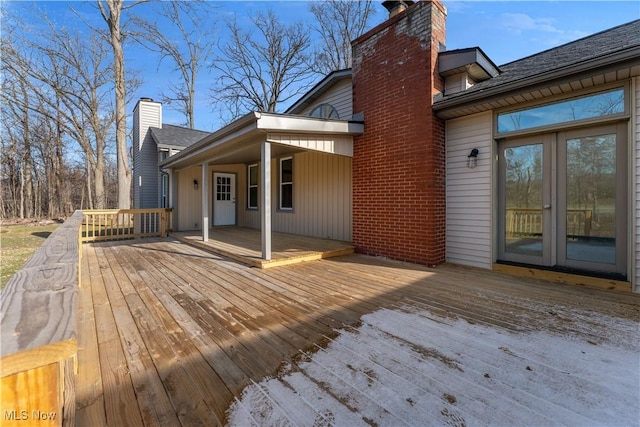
x=240, y=141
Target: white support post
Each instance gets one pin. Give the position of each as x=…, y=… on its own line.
x=265, y=208
x=172, y=188
x=205, y=202
x=171, y=202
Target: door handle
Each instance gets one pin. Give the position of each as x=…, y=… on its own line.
x=548, y=206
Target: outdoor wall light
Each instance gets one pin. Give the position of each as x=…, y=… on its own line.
x=472, y=158
x=195, y=184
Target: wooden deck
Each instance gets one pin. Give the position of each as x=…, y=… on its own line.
x=170, y=335
x=244, y=245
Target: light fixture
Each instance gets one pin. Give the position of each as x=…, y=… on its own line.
x=472, y=158
x=195, y=184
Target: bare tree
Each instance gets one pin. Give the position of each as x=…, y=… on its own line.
x=190, y=52
x=338, y=22
x=111, y=11
x=262, y=68
x=74, y=87
x=16, y=96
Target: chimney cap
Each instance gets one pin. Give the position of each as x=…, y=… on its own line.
x=147, y=99
x=396, y=6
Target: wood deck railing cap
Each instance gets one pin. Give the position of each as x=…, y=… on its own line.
x=38, y=304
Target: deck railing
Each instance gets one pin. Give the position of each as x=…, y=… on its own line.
x=38, y=311
x=528, y=222
x=118, y=224
x=38, y=332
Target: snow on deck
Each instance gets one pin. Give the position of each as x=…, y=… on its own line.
x=407, y=366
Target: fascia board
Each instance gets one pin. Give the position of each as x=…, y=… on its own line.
x=279, y=123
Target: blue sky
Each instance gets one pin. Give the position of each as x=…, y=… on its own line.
x=505, y=30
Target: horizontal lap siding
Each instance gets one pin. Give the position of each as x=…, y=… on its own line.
x=340, y=96
x=146, y=155
x=469, y=205
x=636, y=144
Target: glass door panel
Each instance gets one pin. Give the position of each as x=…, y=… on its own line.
x=591, y=199
x=524, y=224
x=523, y=200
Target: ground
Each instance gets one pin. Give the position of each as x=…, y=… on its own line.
x=18, y=241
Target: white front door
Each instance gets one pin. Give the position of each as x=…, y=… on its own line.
x=224, y=199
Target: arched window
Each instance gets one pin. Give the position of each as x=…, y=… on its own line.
x=325, y=111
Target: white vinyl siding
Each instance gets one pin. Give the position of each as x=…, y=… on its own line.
x=636, y=144
x=469, y=202
x=339, y=96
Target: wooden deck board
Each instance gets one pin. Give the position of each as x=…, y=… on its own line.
x=244, y=245
x=179, y=332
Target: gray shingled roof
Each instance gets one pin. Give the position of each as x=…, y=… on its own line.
x=176, y=136
x=617, y=39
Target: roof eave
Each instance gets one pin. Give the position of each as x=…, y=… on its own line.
x=243, y=125
x=254, y=124
x=615, y=58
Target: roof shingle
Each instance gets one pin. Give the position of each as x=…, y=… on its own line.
x=613, y=40
x=176, y=136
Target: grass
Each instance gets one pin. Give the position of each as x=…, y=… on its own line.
x=17, y=244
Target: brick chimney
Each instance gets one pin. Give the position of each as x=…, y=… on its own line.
x=394, y=7
x=399, y=161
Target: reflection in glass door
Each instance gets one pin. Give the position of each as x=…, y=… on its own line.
x=563, y=199
x=591, y=199
x=591, y=186
x=524, y=221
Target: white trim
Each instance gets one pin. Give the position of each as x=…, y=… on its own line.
x=252, y=126
x=265, y=212
x=205, y=202
x=249, y=185
x=333, y=144
x=282, y=183
x=279, y=123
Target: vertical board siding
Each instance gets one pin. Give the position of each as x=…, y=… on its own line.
x=188, y=200
x=469, y=203
x=321, y=198
x=636, y=145
x=340, y=96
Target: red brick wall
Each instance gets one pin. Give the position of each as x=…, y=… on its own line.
x=399, y=161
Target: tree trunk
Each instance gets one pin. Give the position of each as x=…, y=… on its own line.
x=112, y=18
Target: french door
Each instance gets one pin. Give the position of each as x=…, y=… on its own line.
x=563, y=199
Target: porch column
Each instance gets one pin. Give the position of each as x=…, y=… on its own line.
x=170, y=190
x=171, y=202
x=205, y=202
x=265, y=211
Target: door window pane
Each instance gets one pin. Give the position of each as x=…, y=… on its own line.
x=591, y=199
x=523, y=197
